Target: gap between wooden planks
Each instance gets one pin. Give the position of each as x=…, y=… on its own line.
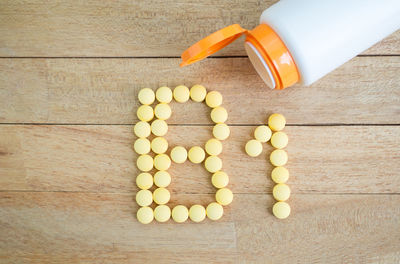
x=58, y=227
x=343, y=159
x=128, y=28
x=103, y=91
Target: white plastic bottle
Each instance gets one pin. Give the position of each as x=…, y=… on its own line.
x=303, y=40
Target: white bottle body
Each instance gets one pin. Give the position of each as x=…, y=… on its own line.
x=321, y=35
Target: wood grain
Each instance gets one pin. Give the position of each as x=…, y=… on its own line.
x=100, y=159
x=67, y=168
x=128, y=28
x=104, y=91
x=92, y=228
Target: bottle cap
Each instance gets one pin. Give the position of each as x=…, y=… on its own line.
x=211, y=44
x=267, y=52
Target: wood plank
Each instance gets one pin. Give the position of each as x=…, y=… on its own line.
x=128, y=28
x=98, y=228
x=346, y=159
x=104, y=91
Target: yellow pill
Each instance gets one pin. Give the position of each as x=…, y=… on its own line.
x=144, y=180
x=214, y=211
x=144, y=198
x=144, y=162
x=142, y=129
x=159, y=127
x=278, y=157
x=146, y=96
x=145, y=215
x=161, y=196
x=276, y=122
x=221, y=131
x=164, y=94
x=253, y=148
x=224, y=196
x=162, y=213
x=213, y=164
x=219, y=115
x=213, y=147
x=162, y=111
x=281, y=210
x=142, y=146
x=162, y=162
x=180, y=213
x=262, y=133
x=181, y=94
x=145, y=113
x=198, y=93
x=197, y=213
x=280, y=174
x=162, y=179
x=159, y=145
x=213, y=99
x=196, y=154
x=220, y=179
x=279, y=140
x=179, y=154
x=281, y=192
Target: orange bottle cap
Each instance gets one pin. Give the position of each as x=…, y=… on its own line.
x=211, y=44
x=267, y=52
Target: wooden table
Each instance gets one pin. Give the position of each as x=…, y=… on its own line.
x=69, y=76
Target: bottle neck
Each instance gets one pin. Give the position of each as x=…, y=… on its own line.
x=270, y=57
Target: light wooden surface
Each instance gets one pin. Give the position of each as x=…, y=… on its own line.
x=67, y=168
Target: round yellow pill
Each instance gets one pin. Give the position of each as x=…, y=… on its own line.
x=164, y=94
x=144, y=162
x=213, y=99
x=279, y=140
x=198, y=93
x=159, y=127
x=214, y=211
x=281, y=210
x=145, y=215
x=144, y=180
x=276, y=122
x=221, y=131
x=280, y=174
x=278, y=157
x=213, y=164
x=162, y=213
x=253, y=148
x=142, y=129
x=144, y=198
x=213, y=147
x=159, y=145
x=162, y=179
x=224, y=196
x=142, y=146
x=181, y=94
x=180, y=213
x=197, y=213
x=161, y=196
x=219, y=115
x=179, y=154
x=281, y=192
x=220, y=179
x=145, y=113
x=162, y=111
x=146, y=96
x=162, y=162
x=262, y=133
x=196, y=154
